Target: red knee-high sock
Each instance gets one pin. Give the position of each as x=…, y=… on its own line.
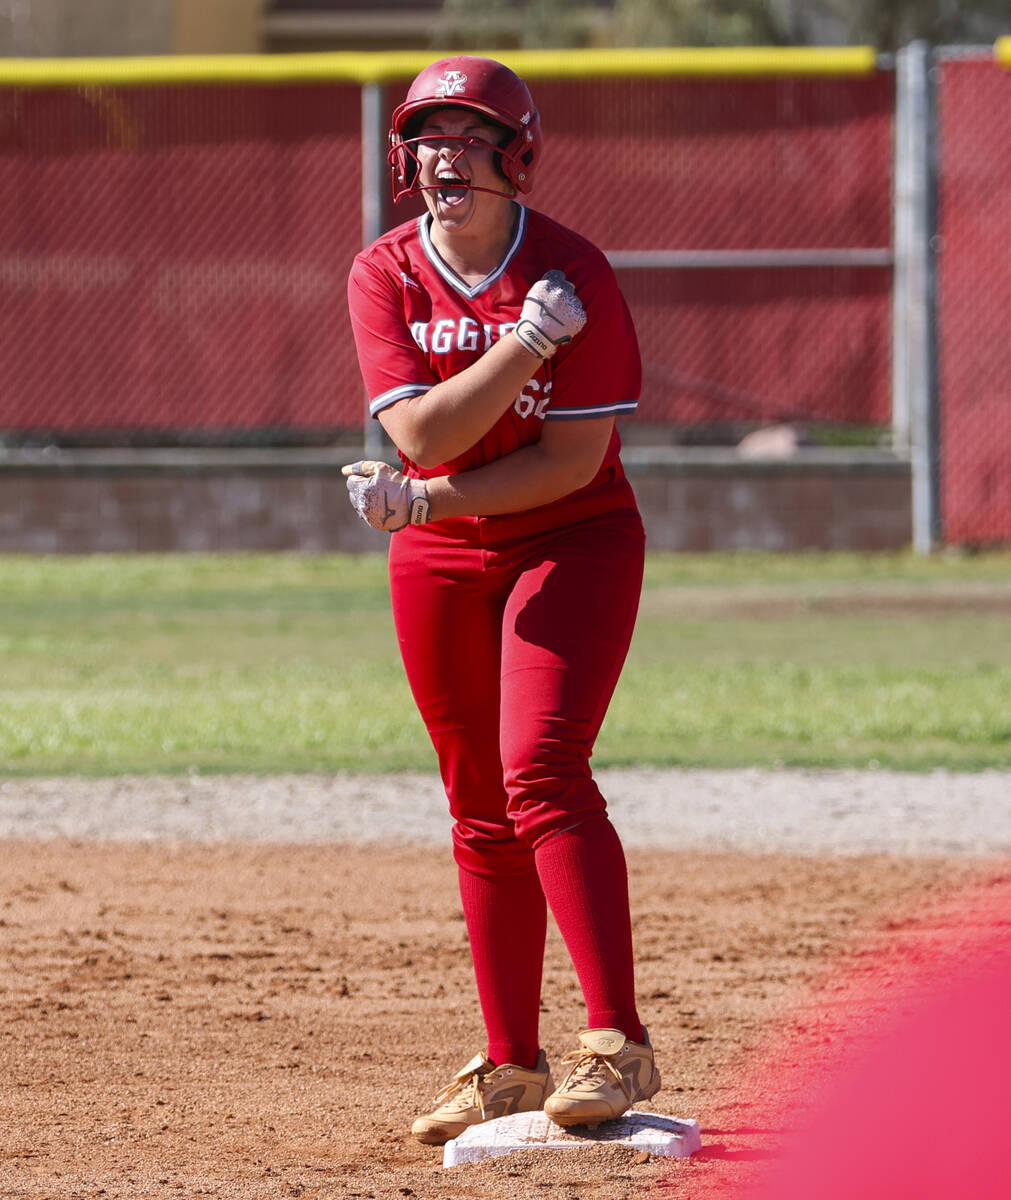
x=583, y=874
x=507, y=920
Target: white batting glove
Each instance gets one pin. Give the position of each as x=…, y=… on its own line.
x=385, y=498
x=552, y=315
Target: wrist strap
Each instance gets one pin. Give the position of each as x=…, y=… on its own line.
x=534, y=340
x=418, y=512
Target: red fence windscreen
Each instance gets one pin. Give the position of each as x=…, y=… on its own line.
x=738, y=165
x=173, y=259
x=974, y=301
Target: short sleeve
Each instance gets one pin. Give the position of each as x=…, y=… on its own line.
x=600, y=373
x=391, y=362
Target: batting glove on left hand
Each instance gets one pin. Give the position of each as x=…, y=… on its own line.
x=385, y=498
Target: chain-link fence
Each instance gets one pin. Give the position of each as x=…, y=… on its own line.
x=974, y=298
x=708, y=194
x=173, y=262
x=172, y=259
x=173, y=256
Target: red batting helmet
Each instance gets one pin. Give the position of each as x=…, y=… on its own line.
x=489, y=88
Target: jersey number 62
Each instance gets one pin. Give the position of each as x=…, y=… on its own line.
x=527, y=405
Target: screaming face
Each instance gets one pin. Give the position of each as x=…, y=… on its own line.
x=458, y=155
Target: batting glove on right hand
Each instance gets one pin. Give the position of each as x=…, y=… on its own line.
x=552, y=315
x=384, y=498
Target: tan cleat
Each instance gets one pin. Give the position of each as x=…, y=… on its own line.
x=606, y=1077
x=482, y=1092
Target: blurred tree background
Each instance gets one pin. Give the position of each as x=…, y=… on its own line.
x=68, y=28
x=884, y=24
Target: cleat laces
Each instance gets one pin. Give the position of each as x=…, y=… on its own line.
x=591, y=1069
x=463, y=1093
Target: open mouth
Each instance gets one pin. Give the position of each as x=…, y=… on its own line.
x=452, y=189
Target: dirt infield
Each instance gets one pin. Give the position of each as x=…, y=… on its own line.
x=265, y=1020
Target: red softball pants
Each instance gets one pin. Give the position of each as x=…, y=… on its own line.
x=513, y=633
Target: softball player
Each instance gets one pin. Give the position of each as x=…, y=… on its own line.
x=497, y=351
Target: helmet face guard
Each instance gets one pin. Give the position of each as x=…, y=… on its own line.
x=485, y=87
x=406, y=166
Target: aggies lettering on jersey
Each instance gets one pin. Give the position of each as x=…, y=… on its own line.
x=416, y=323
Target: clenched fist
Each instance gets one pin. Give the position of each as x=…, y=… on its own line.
x=384, y=497
x=552, y=315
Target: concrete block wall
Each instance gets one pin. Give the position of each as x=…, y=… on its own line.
x=82, y=502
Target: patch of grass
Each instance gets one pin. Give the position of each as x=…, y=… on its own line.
x=816, y=569
x=277, y=663
x=811, y=714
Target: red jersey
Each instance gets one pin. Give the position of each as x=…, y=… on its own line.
x=416, y=323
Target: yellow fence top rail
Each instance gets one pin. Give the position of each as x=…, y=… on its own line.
x=1002, y=52
x=387, y=67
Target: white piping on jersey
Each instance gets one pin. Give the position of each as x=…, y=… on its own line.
x=398, y=393
x=454, y=280
x=579, y=414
